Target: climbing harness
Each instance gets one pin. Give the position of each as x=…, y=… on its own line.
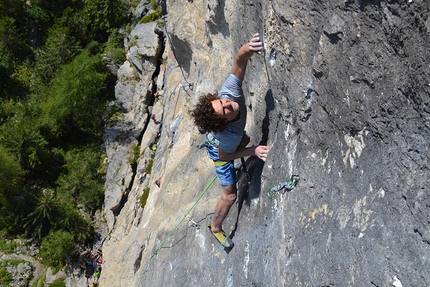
x=211, y=140
x=289, y=184
x=177, y=225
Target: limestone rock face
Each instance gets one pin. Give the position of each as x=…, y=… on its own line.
x=341, y=94
x=134, y=99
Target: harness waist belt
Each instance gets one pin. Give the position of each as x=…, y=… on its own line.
x=220, y=163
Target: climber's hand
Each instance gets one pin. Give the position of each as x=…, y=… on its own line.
x=255, y=44
x=261, y=152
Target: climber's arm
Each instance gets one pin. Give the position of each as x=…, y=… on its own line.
x=260, y=151
x=245, y=52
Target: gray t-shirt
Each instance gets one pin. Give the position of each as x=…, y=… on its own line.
x=231, y=137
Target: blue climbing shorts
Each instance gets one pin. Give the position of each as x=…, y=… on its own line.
x=224, y=169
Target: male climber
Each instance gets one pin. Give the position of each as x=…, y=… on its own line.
x=224, y=117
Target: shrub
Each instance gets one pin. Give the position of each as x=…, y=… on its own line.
x=114, y=47
x=151, y=17
x=39, y=282
x=58, y=283
x=7, y=246
x=55, y=247
x=144, y=197
x=150, y=163
x=6, y=277
x=83, y=180
x=133, y=154
x=154, y=5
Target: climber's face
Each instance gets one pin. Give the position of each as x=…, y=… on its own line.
x=226, y=109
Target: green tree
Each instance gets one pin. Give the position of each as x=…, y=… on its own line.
x=114, y=47
x=10, y=175
x=40, y=19
x=52, y=101
x=100, y=16
x=71, y=220
x=38, y=223
x=60, y=49
x=56, y=211
x=20, y=133
x=12, y=48
x=12, y=8
x=9, y=39
x=82, y=179
x=55, y=247
x=76, y=100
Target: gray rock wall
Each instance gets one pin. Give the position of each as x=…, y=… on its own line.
x=341, y=94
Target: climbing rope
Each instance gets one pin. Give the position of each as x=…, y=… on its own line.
x=289, y=184
x=177, y=225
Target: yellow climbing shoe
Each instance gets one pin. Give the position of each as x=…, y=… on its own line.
x=222, y=238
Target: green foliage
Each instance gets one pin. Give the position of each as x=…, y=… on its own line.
x=7, y=246
x=154, y=5
x=76, y=99
x=151, y=17
x=39, y=282
x=55, y=247
x=56, y=7
x=8, y=38
x=5, y=276
x=102, y=169
x=97, y=17
x=12, y=8
x=144, y=197
x=94, y=48
x=150, y=163
x=133, y=154
x=56, y=211
x=41, y=19
x=22, y=75
x=53, y=95
x=39, y=222
x=58, y=283
x=15, y=49
x=71, y=220
x=14, y=211
x=113, y=114
x=60, y=49
x=154, y=15
x=21, y=135
x=160, y=23
x=114, y=47
x=12, y=47
x=134, y=3
x=82, y=180
x=10, y=175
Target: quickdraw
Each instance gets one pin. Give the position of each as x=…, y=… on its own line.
x=289, y=184
x=210, y=140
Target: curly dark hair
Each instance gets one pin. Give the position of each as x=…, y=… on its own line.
x=204, y=115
